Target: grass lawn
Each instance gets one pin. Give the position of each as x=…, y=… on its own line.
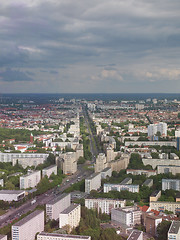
x=2, y=211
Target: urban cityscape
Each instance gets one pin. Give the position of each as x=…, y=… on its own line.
x=73, y=168
x=89, y=120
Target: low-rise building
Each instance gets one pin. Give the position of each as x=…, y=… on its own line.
x=26, y=228
x=11, y=195
x=104, y=204
x=128, y=215
x=49, y=170
x=136, y=235
x=70, y=216
x=56, y=236
x=119, y=187
x=126, y=181
x=93, y=182
x=155, y=196
x=148, y=183
x=30, y=180
x=174, y=231
x=148, y=173
x=171, y=184
x=57, y=205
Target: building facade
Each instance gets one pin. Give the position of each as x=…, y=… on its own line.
x=93, y=182
x=120, y=187
x=27, y=227
x=30, y=180
x=57, y=205
x=56, y=236
x=104, y=204
x=8, y=157
x=11, y=195
x=171, y=184
x=70, y=216
x=174, y=231
x=49, y=170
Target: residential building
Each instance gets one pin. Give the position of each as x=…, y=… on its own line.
x=107, y=172
x=151, y=143
x=11, y=195
x=152, y=223
x=174, y=231
x=148, y=183
x=70, y=216
x=135, y=235
x=104, y=204
x=120, y=187
x=26, y=228
x=100, y=162
x=148, y=173
x=93, y=182
x=171, y=184
x=8, y=157
x=160, y=162
x=30, y=180
x=126, y=181
x=127, y=215
x=168, y=169
x=57, y=205
x=155, y=196
x=49, y=170
x=56, y=236
x=68, y=162
x=159, y=127
x=162, y=206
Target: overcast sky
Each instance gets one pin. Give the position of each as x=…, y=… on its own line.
x=79, y=46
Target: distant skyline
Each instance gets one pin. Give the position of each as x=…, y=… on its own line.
x=79, y=46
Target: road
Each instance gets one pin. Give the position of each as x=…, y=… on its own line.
x=42, y=199
x=93, y=147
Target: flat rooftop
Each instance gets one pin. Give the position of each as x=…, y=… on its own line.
x=28, y=218
x=70, y=208
x=175, y=227
x=92, y=176
x=11, y=191
x=134, y=235
x=51, y=166
x=30, y=173
x=66, y=236
x=148, y=181
x=105, y=169
x=126, y=180
x=155, y=193
x=58, y=198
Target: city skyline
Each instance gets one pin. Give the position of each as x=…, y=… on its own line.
x=89, y=47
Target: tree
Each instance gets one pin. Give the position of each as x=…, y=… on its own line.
x=162, y=230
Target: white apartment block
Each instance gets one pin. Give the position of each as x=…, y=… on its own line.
x=104, y=204
x=168, y=169
x=93, y=182
x=162, y=206
x=57, y=205
x=27, y=227
x=160, y=162
x=127, y=215
x=148, y=173
x=11, y=195
x=3, y=237
x=56, y=236
x=70, y=216
x=171, y=184
x=120, y=187
x=174, y=231
x=151, y=143
x=136, y=235
x=49, y=170
x=107, y=172
x=159, y=127
x=30, y=180
x=28, y=162
x=8, y=157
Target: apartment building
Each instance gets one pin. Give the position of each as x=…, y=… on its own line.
x=30, y=180
x=126, y=181
x=159, y=127
x=152, y=223
x=69, y=163
x=168, y=169
x=127, y=215
x=8, y=157
x=11, y=195
x=93, y=182
x=162, y=206
x=148, y=183
x=148, y=173
x=160, y=162
x=120, y=187
x=49, y=170
x=104, y=204
x=171, y=184
x=57, y=205
x=100, y=162
x=56, y=236
x=70, y=216
x=154, y=196
x=107, y=172
x=174, y=231
x=27, y=227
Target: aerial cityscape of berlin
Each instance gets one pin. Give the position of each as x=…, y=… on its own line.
x=89, y=120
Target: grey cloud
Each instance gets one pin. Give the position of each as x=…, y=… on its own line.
x=10, y=75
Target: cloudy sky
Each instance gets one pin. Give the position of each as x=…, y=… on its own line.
x=79, y=46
